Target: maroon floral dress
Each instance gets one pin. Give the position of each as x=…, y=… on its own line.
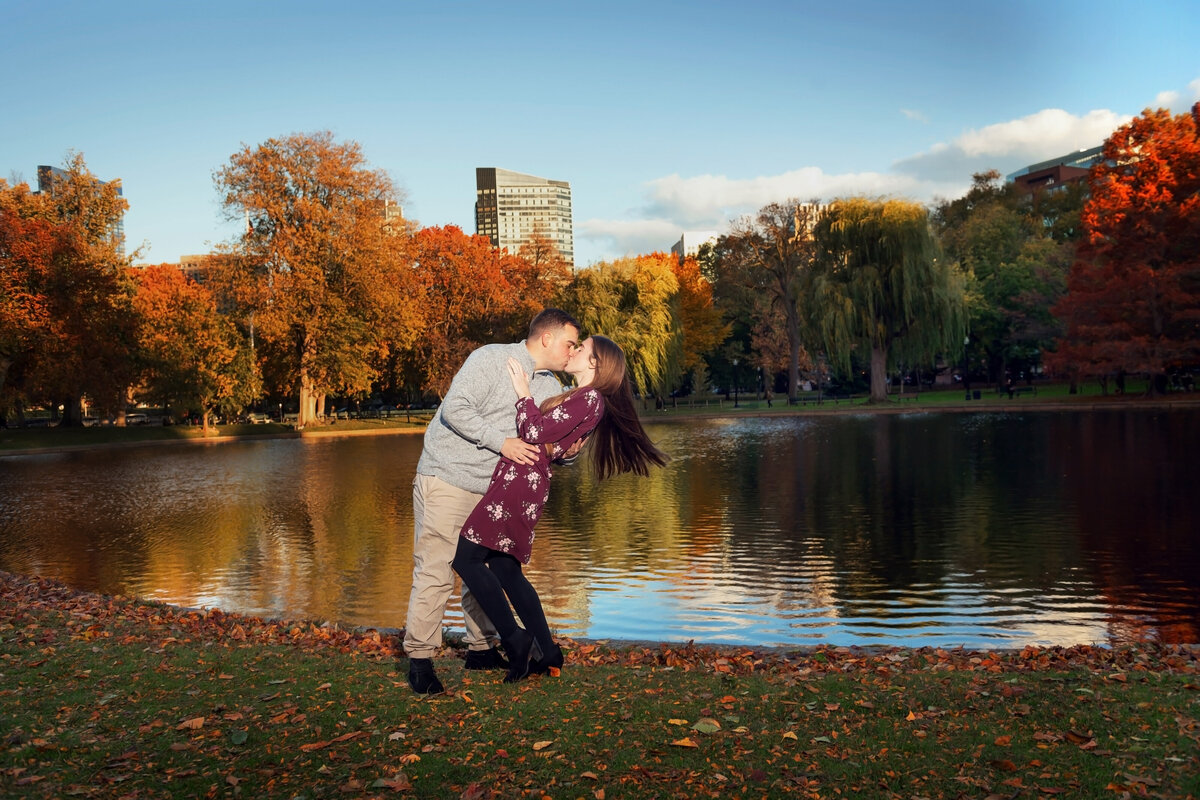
x=503, y=520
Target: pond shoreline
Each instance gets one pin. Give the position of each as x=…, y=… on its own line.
x=679, y=414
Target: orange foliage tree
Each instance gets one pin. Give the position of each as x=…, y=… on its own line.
x=1133, y=294
x=65, y=274
x=473, y=294
x=320, y=273
x=194, y=358
x=29, y=249
x=703, y=326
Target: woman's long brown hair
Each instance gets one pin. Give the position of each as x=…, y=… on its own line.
x=619, y=443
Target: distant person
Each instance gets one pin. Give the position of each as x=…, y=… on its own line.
x=472, y=428
x=497, y=537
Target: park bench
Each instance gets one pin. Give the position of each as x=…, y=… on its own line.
x=1020, y=390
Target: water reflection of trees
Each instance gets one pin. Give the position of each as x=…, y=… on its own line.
x=853, y=517
x=1132, y=478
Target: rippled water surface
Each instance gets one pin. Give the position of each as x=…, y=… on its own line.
x=916, y=529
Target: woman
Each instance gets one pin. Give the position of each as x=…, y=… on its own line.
x=498, y=535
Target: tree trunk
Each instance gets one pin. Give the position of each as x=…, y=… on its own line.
x=308, y=393
x=204, y=414
x=878, y=374
x=72, y=416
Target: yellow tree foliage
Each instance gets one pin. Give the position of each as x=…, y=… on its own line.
x=634, y=302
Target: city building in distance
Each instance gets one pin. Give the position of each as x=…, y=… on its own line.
x=511, y=207
x=1056, y=173
x=689, y=243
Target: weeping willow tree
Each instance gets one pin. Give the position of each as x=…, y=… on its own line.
x=880, y=285
x=634, y=302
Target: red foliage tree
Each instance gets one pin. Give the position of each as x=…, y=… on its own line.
x=474, y=294
x=1133, y=295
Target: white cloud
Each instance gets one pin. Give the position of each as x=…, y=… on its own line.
x=675, y=203
x=1009, y=145
x=628, y=237
x=1166, y=99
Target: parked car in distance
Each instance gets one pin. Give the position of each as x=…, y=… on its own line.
x=136, y=418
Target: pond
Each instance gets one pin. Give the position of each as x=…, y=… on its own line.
x=974, y=529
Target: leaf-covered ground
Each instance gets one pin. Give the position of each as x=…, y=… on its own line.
x=110, y=697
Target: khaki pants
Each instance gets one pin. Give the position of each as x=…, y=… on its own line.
x=439, y=511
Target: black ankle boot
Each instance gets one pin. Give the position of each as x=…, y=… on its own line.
x=422, y=678
x=485, y=659
x=552, y=659
x=521, y=648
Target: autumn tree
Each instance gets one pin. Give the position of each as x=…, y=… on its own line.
x=86, y=347
x=194, y=358
x=551, y=271
x=880, y=286
x=634, y=302
x=30, y=251
x=701, y=324
x=766, y=259
x=319, y=272
x=474, y=294
x=1133, y=295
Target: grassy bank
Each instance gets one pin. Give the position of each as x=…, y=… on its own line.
x=31, y=439
x=104, y=697
x=1048, y=396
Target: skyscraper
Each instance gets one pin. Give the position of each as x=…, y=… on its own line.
x=511, y=207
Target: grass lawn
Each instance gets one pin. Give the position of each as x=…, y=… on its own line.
x=103, y=697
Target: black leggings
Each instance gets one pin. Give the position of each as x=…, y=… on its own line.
x=491, y=575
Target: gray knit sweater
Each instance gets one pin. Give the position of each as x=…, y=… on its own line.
x=463, y=440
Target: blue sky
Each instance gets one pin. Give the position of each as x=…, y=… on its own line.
x=663, y=116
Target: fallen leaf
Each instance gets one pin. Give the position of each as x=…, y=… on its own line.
x=707, y=725
x=590, y=776
x=190, y=724
x=684, y=742
x=542, y=745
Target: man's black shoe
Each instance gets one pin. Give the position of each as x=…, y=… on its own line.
x=485, y=659
x=422, y=678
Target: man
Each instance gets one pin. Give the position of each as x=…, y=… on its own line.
x=475, y=424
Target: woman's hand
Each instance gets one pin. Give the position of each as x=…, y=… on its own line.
x=520, y=380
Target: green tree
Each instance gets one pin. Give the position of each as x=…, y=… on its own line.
x=881, y=286
x=1014, y=251
x=319, y=272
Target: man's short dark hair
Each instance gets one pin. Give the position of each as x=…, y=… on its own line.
x=549, y=320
